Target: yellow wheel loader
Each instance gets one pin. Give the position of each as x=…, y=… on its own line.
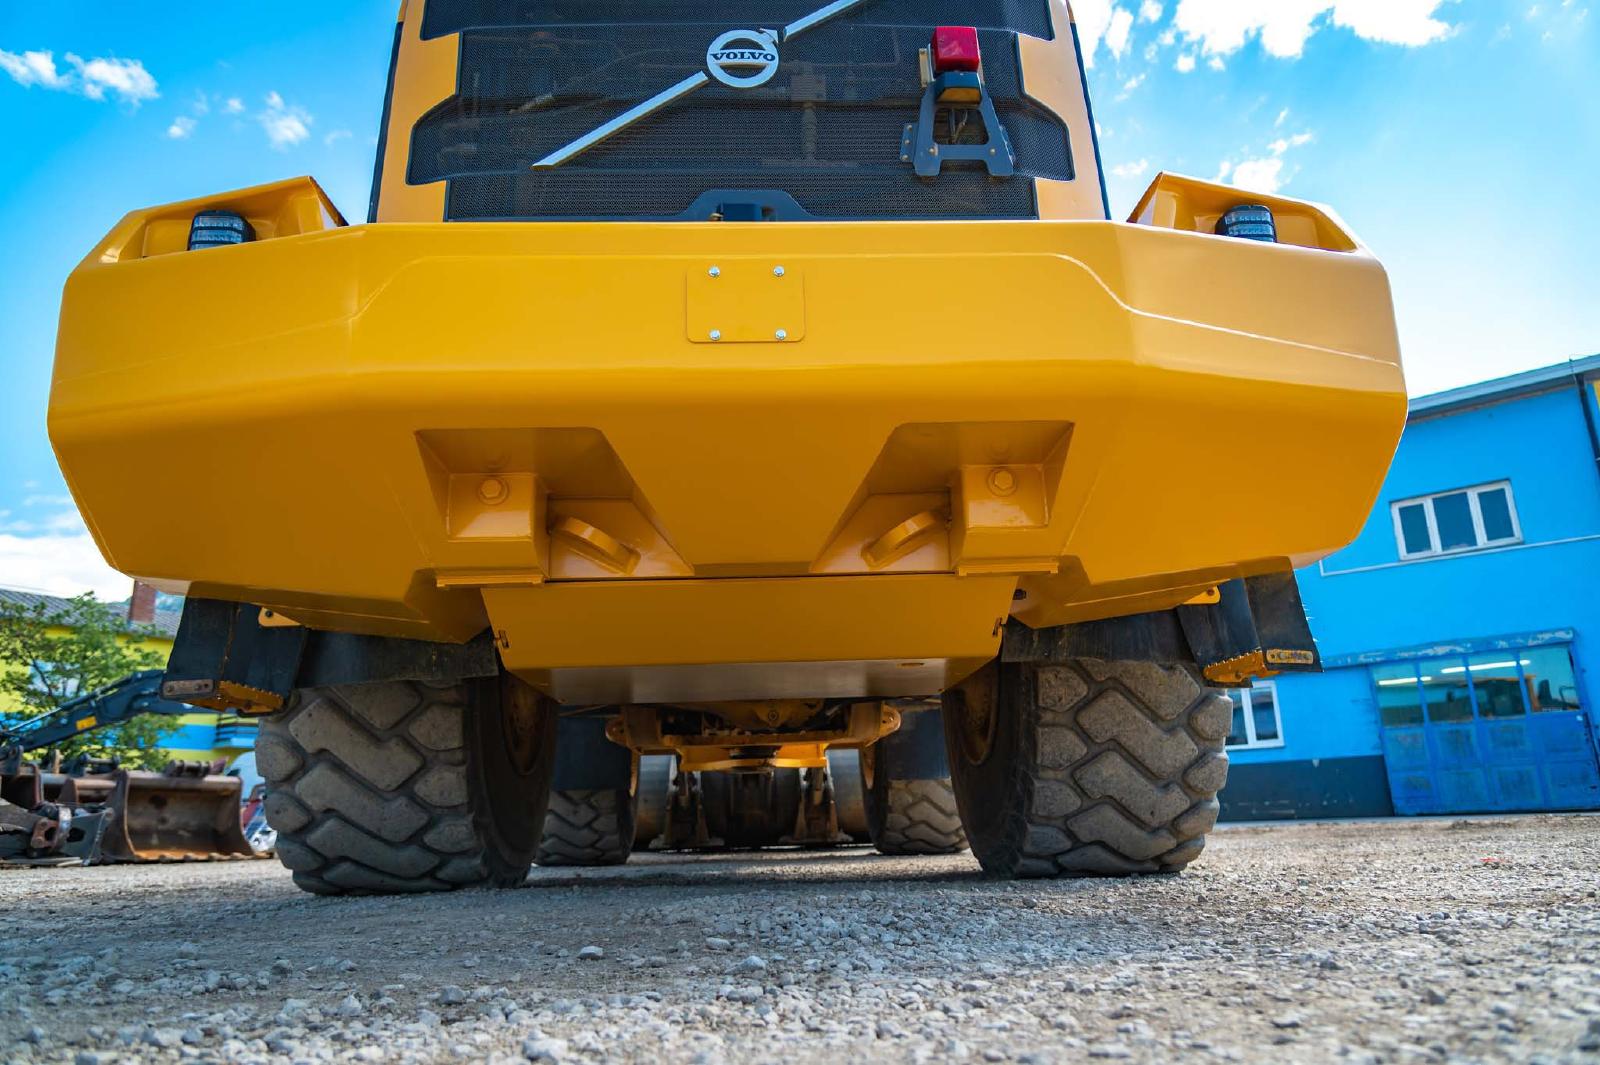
x=729, y=372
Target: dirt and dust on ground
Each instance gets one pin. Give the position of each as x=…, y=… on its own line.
x=1466, y=941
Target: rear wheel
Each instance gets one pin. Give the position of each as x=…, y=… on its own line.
x=1087, y=768
x=906, y=790
x=650, y=806
x=591, y=815
x=403, y=786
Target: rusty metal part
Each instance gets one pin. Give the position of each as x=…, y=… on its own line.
x=86, y=791
x=685, y=827
x=816, y=823
x=160, y=818
x=22, y=789
x=49, y=834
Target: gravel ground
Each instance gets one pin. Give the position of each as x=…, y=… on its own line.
x=1408, y=941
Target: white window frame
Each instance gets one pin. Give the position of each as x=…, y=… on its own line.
x=1246, y=697
x=1472, y=492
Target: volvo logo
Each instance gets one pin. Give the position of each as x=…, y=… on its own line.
x=744, y=59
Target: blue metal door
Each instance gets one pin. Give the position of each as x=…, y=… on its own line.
x=1487, y=733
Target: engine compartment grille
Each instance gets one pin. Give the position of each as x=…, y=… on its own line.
x=826, y=130
x=452, y=16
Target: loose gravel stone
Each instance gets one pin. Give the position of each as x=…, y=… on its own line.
x=1300, y=944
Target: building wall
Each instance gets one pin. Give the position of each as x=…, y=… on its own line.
x=1365, y=604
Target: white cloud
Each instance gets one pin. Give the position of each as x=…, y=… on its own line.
x=1091, y=17
x=1131, y=170
x=336, y=136
x=201, y=105
x=1259, y=175
x=1117, y=32
x=1282, y=117
x=286, y=125
x=1222, y=27
x=1184, y=64
x=62, y=561
x=127, y=79
x=1283, y=144
x=1216, y=63
x=34, y=68
x=234, y=106
x=1150, y=11
x=1267, y=173
x=182, y=128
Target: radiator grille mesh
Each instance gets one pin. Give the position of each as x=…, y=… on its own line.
x=826, y=130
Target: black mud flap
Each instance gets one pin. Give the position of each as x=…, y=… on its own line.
x=1257, y=627
x=224, y=658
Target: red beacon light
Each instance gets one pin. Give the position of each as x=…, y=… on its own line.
x=955, y=49
x=956, y=65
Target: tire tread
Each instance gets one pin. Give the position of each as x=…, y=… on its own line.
x=1118, y=771
x=367, y=792
x=586, y=827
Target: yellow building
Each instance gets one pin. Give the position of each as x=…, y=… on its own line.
x=201, y=736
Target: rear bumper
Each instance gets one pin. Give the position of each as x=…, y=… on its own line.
x=423, y=429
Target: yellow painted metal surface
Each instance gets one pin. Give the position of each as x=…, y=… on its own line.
x=1051, y=76
x=426, y=429
x=731, y=744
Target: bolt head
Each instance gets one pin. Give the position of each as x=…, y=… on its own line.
x=493, y=491
x=715, y=271
x=1002, y=482
x=782, y=334
x=777, y=271
x=716, y=334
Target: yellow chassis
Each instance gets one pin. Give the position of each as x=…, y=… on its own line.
x=707, y=462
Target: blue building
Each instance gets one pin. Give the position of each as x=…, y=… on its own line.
x=1460, y=632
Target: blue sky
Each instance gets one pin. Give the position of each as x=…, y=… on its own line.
x=1459, y=138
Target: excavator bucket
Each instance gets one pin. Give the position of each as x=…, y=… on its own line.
x=23, y=788
x=161, y=818
x=83, y=791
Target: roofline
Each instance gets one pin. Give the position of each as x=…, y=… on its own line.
x=1499, y=389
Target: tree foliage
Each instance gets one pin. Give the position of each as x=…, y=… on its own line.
x=50, y=653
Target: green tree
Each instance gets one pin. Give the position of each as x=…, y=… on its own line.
x=50, y=653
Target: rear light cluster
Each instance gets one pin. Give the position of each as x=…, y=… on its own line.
x=216, y=229
x=957, y=65
x=1248, y=221
x=956, y=110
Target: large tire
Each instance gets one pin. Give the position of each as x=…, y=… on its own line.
x=591, y=815
x=1087, y=768
x=906, y=789
x=655, y=796
x=403, y=786
x=849, y=793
